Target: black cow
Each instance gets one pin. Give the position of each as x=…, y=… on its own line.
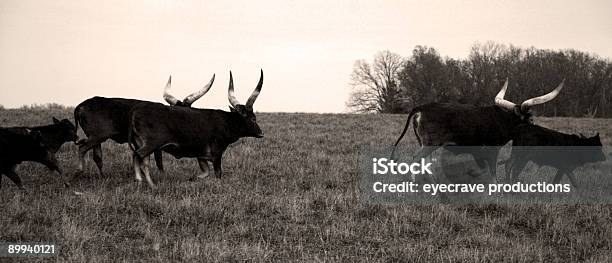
x=543, y=146
x=37, y=144
x=108, y=118
x=450, y=124
x=187, y=132
x=54, y=135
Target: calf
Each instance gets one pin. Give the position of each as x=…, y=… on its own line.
x=17, y=146
x=54, y=135
x=543, y=146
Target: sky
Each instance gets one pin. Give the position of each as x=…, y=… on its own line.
x=58, y=51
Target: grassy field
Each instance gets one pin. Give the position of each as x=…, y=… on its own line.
x=291, y=196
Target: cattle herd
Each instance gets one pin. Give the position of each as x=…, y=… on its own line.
x=148, y=127
x=489, y=128
x=204, y=134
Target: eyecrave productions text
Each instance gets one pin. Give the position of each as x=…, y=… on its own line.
x=433, y=189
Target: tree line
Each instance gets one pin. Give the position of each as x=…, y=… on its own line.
x=395, y=84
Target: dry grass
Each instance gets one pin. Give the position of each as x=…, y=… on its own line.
x=292, y=196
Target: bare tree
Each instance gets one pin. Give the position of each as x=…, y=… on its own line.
x=392, y=84
x=375, y=86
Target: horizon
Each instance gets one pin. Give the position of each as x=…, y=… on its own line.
x=66, y=52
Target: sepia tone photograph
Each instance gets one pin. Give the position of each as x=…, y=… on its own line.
x=305, y=131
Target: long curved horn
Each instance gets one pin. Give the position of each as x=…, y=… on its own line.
x=198, y=94
x=500, y=101
x=255, y=93
x=542, y=99
x=230, y=92
x=169, y=98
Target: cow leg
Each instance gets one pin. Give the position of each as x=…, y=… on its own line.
x=203, y=163
x=572, y=179
x=51, y=163
x=159, y=160
x=147, y=173
x=508, y=168
x=217, y=165
x=517, y=167
x=15, y=178
x=491, y=160
x=137, y=171
x=142, y=156
x=422, y=153
x=97, y=156
x=486, y=158
x=570, y=176
x=83, y=149
x=81, y=168
x=558, y=176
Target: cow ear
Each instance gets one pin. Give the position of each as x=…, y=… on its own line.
x=56, y=121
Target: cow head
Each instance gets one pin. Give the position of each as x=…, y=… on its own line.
x=523, y=111
x=189, y=99
x=67, y=130
x=246, y=110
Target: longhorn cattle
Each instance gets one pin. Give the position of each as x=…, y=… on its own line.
x=188, y=132
x=108, y=118
x=37, y=144
x=543, y=146
x=450, y=124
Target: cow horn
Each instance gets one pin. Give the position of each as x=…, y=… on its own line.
x=230, y=92
x=500, y=101
x=198, y=94
x=542, y=99
x=255, y=93
x=169, y=98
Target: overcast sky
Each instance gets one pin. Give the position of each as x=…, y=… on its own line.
x=67, y=51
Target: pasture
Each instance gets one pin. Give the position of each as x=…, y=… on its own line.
x=291, y=196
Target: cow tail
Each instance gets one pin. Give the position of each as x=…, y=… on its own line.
x=410, y=115
x=77, y=122
x=131, y=137
x=77, y=116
